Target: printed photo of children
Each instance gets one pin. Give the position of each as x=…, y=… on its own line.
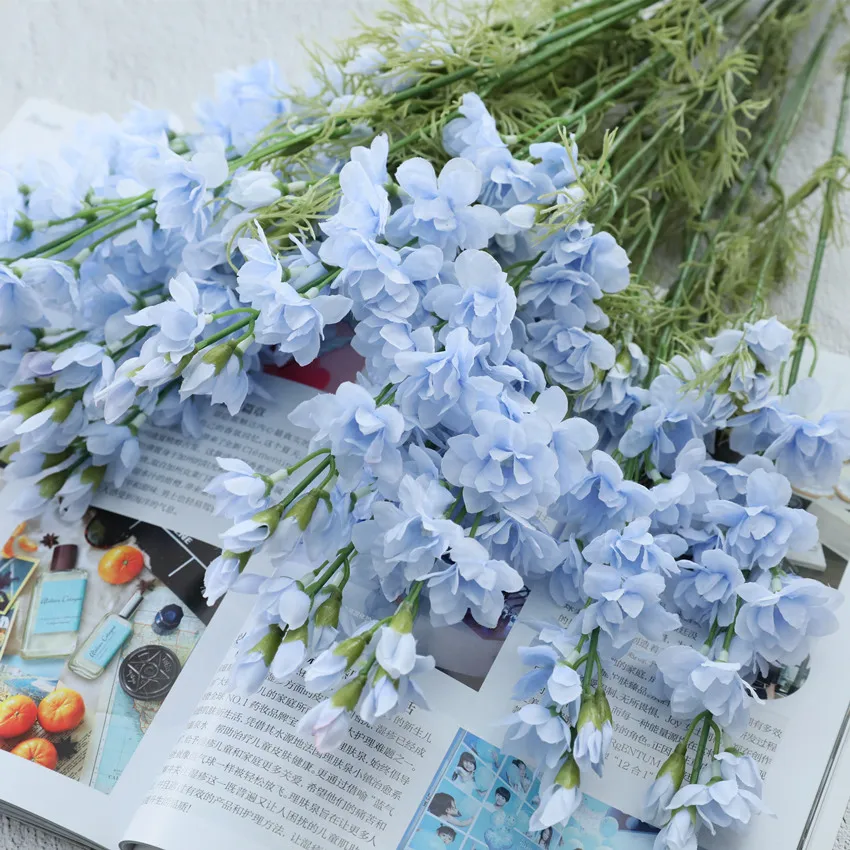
x=487, y=799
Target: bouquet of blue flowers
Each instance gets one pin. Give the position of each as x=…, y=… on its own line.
x=545, y=402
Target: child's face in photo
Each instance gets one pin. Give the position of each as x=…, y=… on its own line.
x=447, y=839
x=500, y=801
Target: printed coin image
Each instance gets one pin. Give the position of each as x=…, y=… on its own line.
x=148, y=672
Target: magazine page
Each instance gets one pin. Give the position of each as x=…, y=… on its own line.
x=240, y=770
x=107, y=642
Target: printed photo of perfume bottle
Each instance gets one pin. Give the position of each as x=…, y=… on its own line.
x=56, y=607
x=108, y=636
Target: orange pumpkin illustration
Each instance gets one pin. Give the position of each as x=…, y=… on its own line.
x=61, y=710
x=17, y=715
x=39, y=750
x=121, y=564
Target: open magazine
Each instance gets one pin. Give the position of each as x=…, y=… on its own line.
x=136, y=742
x=153, y=750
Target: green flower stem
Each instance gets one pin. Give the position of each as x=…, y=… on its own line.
x=705, y=715
x=701, y=745
x=652, y=238
x=592, y=658
x=826, y=222
x=712, y=634
x=730, y=629
x=61, y=243
x=306, y=459
x=343, y=555
x=609, y=13
x=216, y=337
x=807, y=79
x=555, y=125
x=680, y=290
x=89, y=249
x=320, y=283
x=65, y=342
x=567, y=38
x=304, y=484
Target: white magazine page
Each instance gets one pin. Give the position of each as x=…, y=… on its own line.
x=155, y=538
x=240, y=770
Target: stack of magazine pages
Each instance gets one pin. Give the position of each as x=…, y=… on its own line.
x=113, y=683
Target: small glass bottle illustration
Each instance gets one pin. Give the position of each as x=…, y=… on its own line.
x=56, y=607
x=108, y=636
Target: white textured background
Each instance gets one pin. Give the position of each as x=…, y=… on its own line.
x=101, y=55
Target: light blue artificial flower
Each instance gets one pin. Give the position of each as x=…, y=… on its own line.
x=225, y=574
x=53, y=428
x=684, y=497
x=569, y=355
x=53, y=282
x=719, y=803
x=441, y=210
x=694, y=683
x=770, y=341
x=541, y=731
x=78, y=365
x=386, y=284
x=762, y=532
x=504, y=464
x=551, y=659
x=779, y=623
x=445, y=387
x=812, y=454
x=566, y=581
x=403, y=540
x=75, y=495
x=385, y=697
x=283, y=601
x=634, y=550
x=239, y=491
x=666, y=425
x=731, y=479
x=526, y=544
x=379, y=341
x=296, y=324
x=707, y=590
x=364, y=208
x=679, y=833
x=253, y=189
x=19, y=304
x=183, y=188
x=566, y=292
x=558, y=163
x=246, y=101
x=359, y=432
x=473, y=132
x=114, y=446
x=473, y=582
x=180, y=320
x=481, y=301
x=603, y=499
x=11, y=205
x=226, y=383
x=395, y=651
x=624, y=607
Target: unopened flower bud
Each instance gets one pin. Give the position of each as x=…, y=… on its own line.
x=302, y=511
x=349, y=694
